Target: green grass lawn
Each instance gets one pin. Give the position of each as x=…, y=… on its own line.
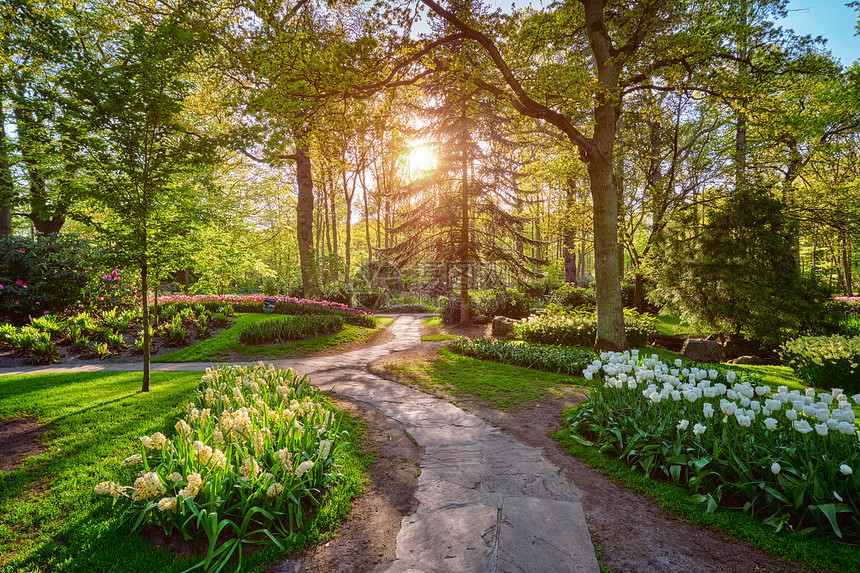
x=671, y=325
x=219, y=347
x=491, y=383
x=437, y=337
x=432, y=321
x=50, y=520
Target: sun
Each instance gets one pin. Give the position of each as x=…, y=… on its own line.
x=421, y=159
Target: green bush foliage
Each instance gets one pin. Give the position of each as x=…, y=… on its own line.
x=570, y=295
x=289, y=328
x=405, y=308
x=559, y=359
x=579, y=328
x=825, y=361
x=256, y=452
x=371, y=298
x=786, y=457
x=449, y=309
x=48, y=274
x=500, y=302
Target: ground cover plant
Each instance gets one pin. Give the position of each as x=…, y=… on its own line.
x=549, y=358
x=289, y=328
x=50, y=519
x=825, y=361
x=255, y=454
x=783, y=455
x=227, y=342
x=579, y=328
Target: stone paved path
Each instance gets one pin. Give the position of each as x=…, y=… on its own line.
x=487, y=503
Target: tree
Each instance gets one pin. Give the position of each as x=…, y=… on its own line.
x=142, y=155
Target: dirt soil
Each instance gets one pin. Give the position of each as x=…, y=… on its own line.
x=631, y=532
x=19, y=440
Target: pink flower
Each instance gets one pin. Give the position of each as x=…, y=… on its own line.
x=21, y=251
x=101, y=298
x=21, y=283
x=1, y=287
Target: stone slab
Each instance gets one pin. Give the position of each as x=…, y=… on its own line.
x=544, y=536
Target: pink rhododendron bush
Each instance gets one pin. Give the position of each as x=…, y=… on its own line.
x=791, y=457
x=256, y=452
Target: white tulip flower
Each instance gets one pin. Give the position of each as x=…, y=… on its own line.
x=810, y=392
x=731, y=376
x=682, y=425
x=678, y=362
x=791, y=415
x=846, y=469
x=708, y=410
x=821, y=429
x=712, y=374
x=856, y=398
x=802, y=426
x=699, y=429
x=762, y=390
x=775, y=468
x=770, y=423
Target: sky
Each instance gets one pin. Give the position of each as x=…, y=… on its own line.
x=830, y=19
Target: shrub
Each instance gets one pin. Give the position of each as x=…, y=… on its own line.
x=449, y=309
x=579, y=328
x=371, y=298
x=559, y=359
x=338, y=293
x=825, y=361
x=405, y=308
x=256, y=452
x=501, y=302
x=787, y=457
x=572, y=296
x=44, y=275
x=289, y=328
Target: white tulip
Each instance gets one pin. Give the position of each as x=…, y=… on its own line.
x=682, y=425
x=821, y=429
x=775, y=468
x=791, y=415
x=846, y=469
x=770, y=423
x=699, y=429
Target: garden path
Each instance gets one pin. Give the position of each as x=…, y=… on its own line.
x=487, y=502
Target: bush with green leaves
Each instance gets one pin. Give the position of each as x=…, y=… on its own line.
x=579, y=328
x=405, y=309
x=738, y=274
x=371, y=298
x=449, y=309
x=45, y=275
x=559, y=359
x=788, y=457
x=289, y=328
x=256, y=452
x=570, y=295
x=507, y=302
x=825, y=361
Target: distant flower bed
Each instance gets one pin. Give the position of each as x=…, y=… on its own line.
x=787, y=457
x=257, y=450
x=847, y=298
x=246, y=299
x=560, y=359
x=579, y=328
x=825, y=361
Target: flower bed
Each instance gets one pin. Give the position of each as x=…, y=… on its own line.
x=256, y=452
x=289, y=328
x=825, y=361
x=283, y=305
x=580, y=328
x=787, y=457
x=558, y=359
x=248, y=299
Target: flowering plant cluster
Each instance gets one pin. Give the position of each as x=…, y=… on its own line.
x=289, y=328
x=246, y=299
x=256, y=451
x=579, y=328
x=560, y=359
x=825, y=361
x=790, y=456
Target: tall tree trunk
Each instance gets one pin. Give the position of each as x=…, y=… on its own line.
x=569, y=257
x=305, y=218
x=846, y=264
x=639, y=291
x=335, y=275
x=7, y=184
x=144, y=287
x=465, y=317
x=742, y=120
